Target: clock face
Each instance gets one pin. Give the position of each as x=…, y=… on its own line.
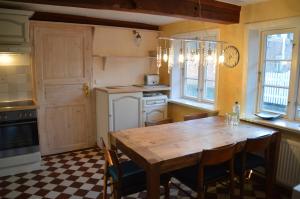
x=231, y=56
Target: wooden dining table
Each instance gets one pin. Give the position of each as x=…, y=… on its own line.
x=164, y=148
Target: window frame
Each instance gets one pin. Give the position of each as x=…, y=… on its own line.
x=201, y=74
x=294, y=73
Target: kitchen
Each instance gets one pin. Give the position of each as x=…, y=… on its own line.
x=71, y=75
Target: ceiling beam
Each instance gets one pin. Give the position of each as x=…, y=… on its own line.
x=45, y=16
x=206, y=10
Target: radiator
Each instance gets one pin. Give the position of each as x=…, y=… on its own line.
x=288, y=172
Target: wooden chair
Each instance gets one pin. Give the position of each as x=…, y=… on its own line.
x=214, y=166
x=166, y=121
x=195, y=116
x=256, y=153
x=126, y=177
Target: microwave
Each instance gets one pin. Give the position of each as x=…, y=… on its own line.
x=151, y=79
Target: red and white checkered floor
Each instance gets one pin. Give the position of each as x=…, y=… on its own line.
x=79, y=175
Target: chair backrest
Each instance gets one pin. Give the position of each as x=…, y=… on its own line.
x=260, y=144
x=105, y=150
x=213, y=157
x=165, y=121
x=217, y=156
x=195, y=116
x=111, y=158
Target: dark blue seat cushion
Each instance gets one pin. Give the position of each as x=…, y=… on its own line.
x=133, y=178
x=252, y=161
x=189, y=175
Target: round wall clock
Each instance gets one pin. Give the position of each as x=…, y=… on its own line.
x=231, y=56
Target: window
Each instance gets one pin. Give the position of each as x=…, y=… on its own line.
x=199, y=71
x=277, y=91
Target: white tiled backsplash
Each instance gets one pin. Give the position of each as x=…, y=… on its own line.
x=15, y=78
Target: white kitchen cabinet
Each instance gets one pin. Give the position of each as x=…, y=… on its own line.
x=14, y=26
x=117, y=111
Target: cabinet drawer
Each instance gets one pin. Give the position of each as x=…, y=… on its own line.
x=155, y=114
x=155, y=102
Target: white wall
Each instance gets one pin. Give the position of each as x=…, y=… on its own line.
x=126, y=63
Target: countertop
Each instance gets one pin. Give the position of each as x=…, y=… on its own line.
x=132, y=89
x=34, y=105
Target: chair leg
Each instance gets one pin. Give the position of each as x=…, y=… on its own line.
x=201, y=192
x=242, y=184
x=231, y=174
x=268, y=185
x=116, y=191
x=201, y=195
x=167, y=189
x=269, y=175
x=105, y=186
x=232, y=189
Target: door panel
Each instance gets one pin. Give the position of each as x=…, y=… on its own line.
x=64, y=94
x=57, y=121
x=65, y=55
x=77, y=115
x=62, y=60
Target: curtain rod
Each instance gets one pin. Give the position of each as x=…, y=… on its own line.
x=189, y=39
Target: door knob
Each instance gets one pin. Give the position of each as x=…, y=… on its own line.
x=86, y=89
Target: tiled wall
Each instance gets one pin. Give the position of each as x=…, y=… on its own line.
x=15, y=78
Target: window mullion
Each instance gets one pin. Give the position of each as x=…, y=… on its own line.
x=294, y=85
x=201, y=73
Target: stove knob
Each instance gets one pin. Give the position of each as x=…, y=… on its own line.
x=5, y=117
x=20, y=115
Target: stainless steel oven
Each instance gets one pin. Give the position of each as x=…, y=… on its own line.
x=18, y=133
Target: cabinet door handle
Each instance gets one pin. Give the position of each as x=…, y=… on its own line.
x=86, y=89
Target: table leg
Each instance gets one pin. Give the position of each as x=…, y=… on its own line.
x=153, y=183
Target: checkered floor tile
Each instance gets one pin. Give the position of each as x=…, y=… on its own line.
x=79, y=175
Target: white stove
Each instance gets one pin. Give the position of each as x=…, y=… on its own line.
x=155, y=107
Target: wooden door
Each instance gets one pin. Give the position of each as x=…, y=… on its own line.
x=62, y=61
x=125, y=111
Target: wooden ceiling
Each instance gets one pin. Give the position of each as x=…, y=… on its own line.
x=201, y=10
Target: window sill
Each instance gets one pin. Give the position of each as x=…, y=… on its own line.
x=281, y=124
x=194, y=104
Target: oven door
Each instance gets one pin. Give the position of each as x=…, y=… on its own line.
x=18, y=138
